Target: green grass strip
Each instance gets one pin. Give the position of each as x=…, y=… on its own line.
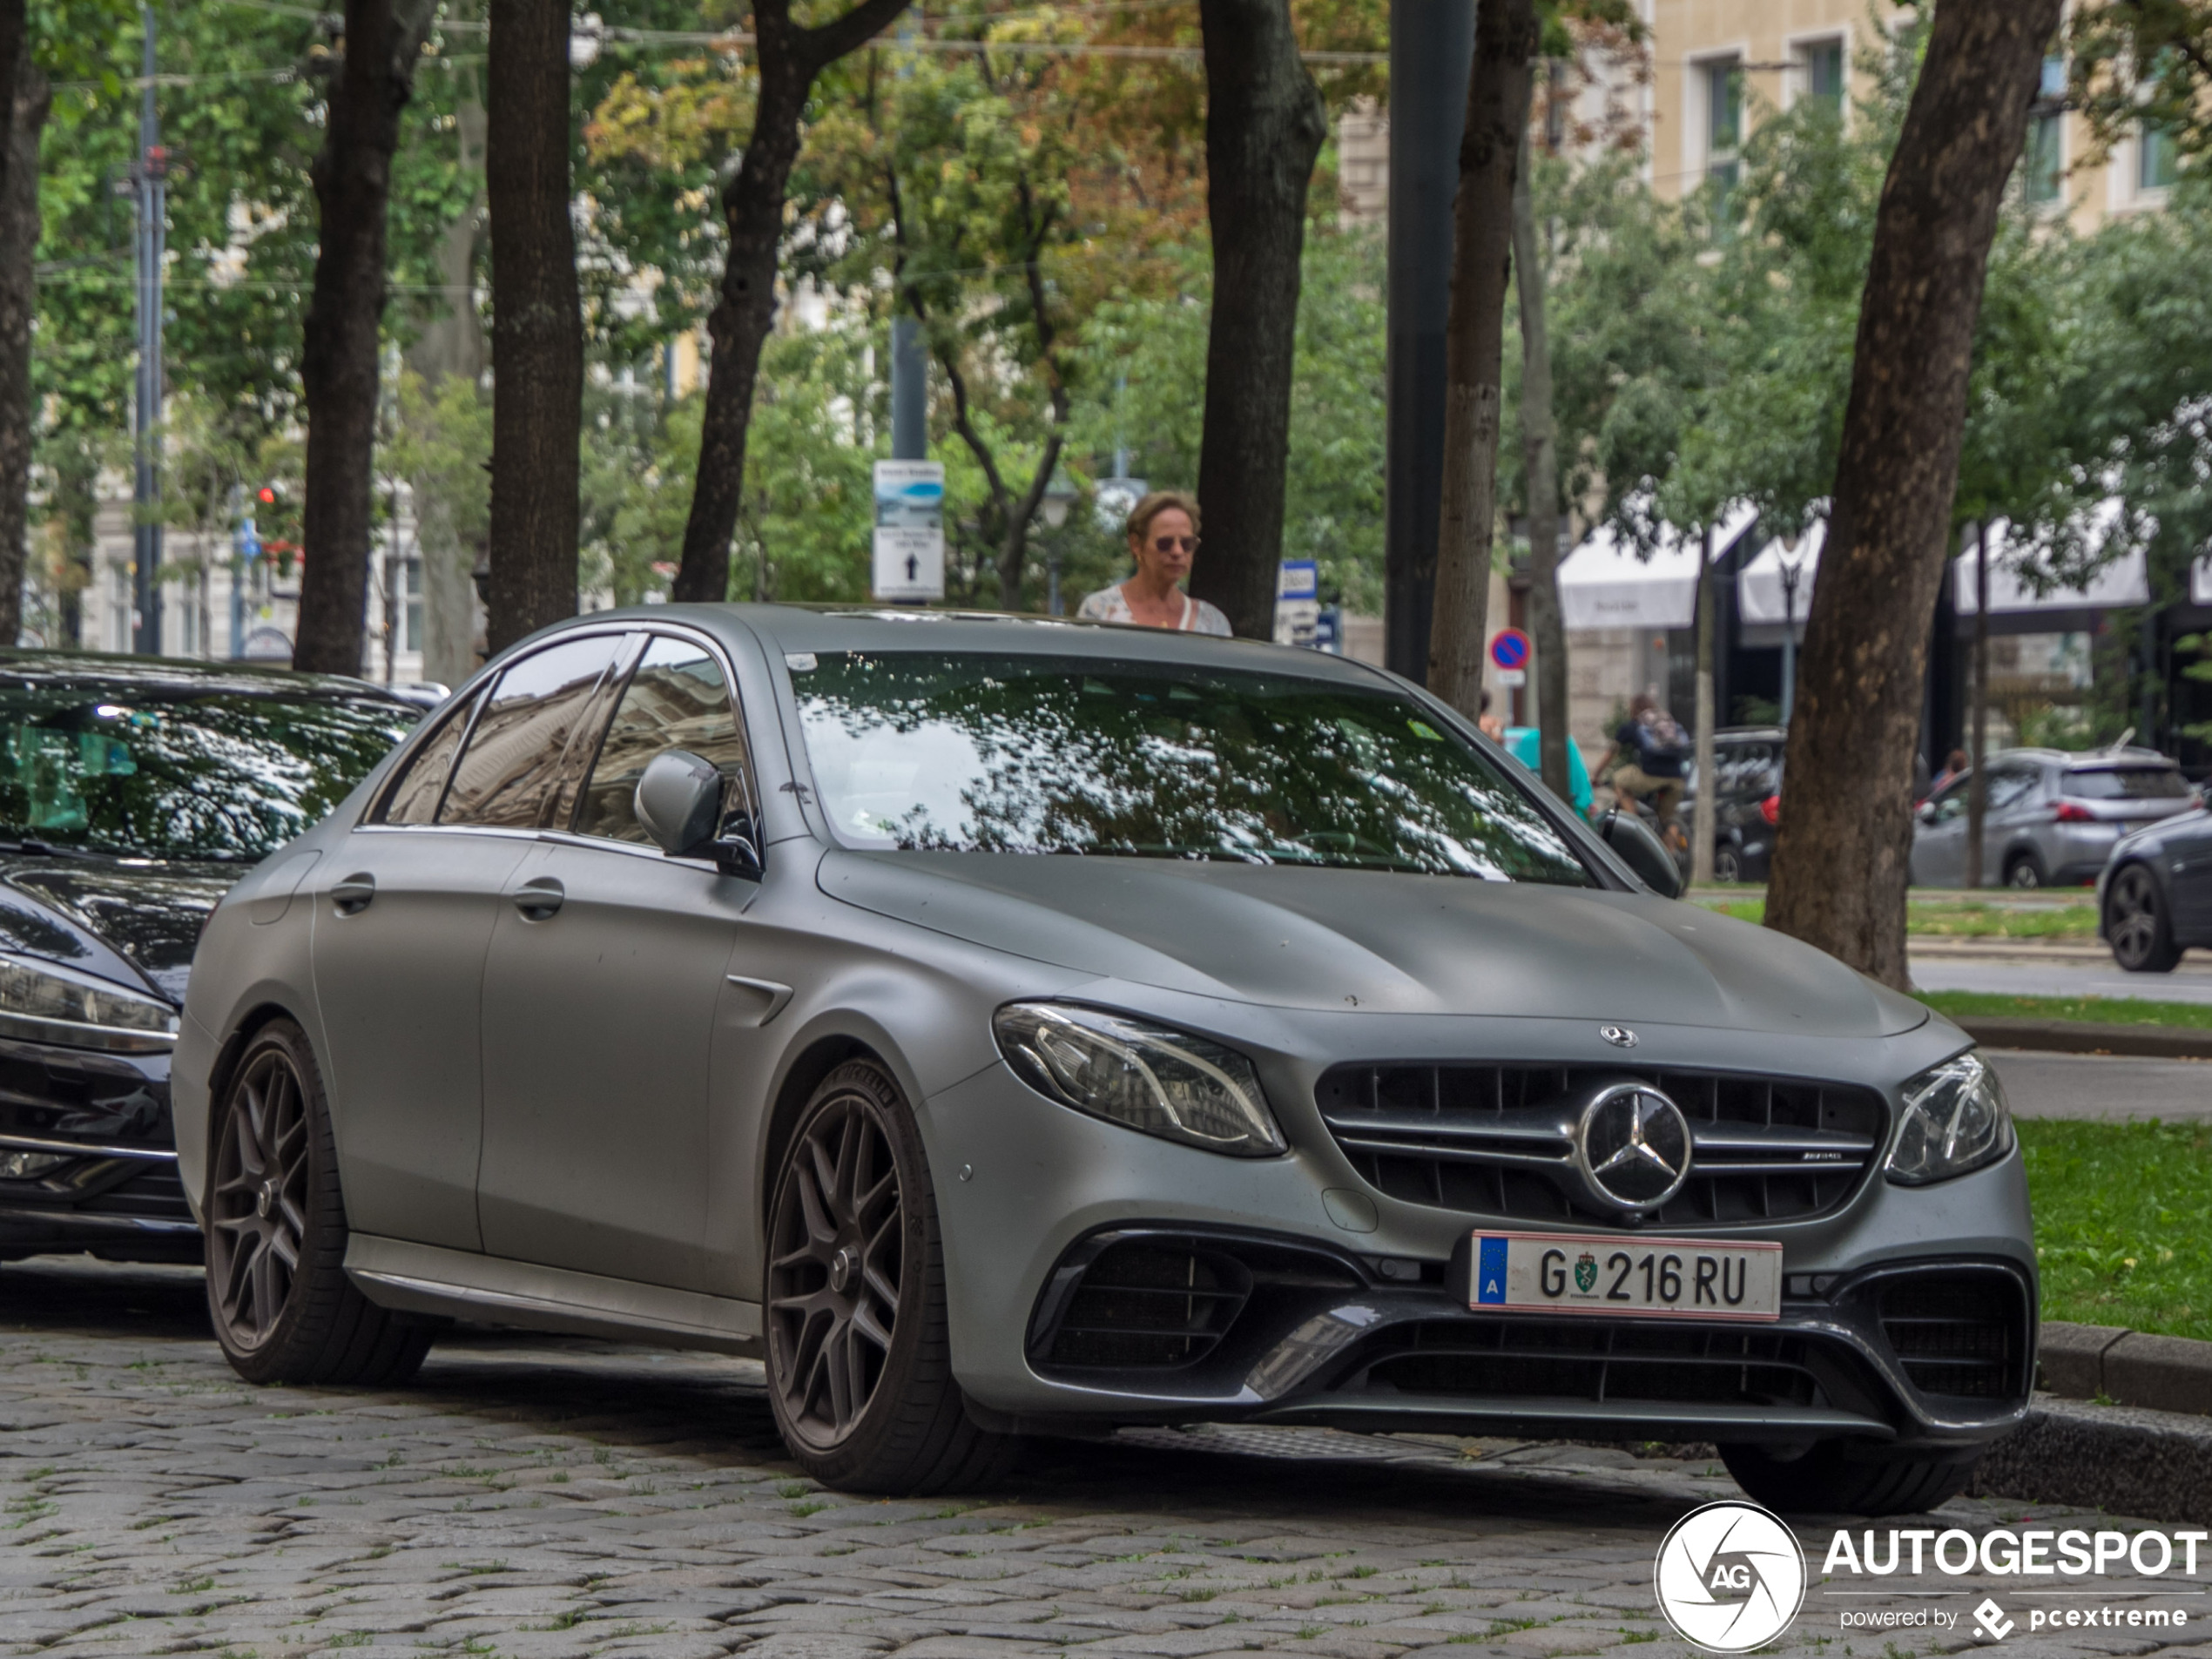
x=1956, y=919
x=2096, y=1010
x=2124, y=1222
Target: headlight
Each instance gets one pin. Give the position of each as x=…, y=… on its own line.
x=47, y=1002
x=1955, y=1121
x=1146, y=1077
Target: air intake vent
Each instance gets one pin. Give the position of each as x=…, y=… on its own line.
x=1963, y=1332
x=1584, y=1359
x=1151, y=1304
x=1490, y=1140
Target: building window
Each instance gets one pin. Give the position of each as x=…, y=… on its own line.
x=1723, y=122
x=411, y=608
x=2155, y=160
x=1823, y=68
x=2043, y=163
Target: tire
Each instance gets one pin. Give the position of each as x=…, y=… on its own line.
x=858, y=1346
x=1728, y=864
x=2024, y=873
x=1846, y=1478
x=277, y=1291
x=2136, y=924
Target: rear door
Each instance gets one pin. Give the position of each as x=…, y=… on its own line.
x=403, y=916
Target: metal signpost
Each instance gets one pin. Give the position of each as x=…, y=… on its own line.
x=1509, y=654
x=1298, y=602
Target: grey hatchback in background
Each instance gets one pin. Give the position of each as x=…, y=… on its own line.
x=2053, y=816
x=1005, y=1027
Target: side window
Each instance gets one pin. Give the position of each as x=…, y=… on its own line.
x=1952, y=802
x=507, y=774
x=413, y=796
x=2008, y=788
x=677, y=699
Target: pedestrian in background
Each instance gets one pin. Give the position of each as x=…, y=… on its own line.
x=1163, y=540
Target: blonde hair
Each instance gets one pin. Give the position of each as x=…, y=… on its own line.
x=1142, y=514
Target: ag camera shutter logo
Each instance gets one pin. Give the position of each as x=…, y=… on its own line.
x=1729, y=1577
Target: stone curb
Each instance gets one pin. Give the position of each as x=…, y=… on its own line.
x=2157, y=1465
x=2128, y=1367
x=2071, y=1036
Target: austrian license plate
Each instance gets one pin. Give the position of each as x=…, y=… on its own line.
x=1679, y=1278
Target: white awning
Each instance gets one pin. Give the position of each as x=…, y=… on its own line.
x=1761, y=596
x=2123, y=582
x=1605, y=582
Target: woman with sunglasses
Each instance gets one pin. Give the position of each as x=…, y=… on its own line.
x=1162, y=538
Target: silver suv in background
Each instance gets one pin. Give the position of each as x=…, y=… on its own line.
x=2052, y=817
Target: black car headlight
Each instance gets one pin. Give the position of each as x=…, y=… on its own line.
x=1146, y=1077
x=46, y=1002
x=1955, y=1121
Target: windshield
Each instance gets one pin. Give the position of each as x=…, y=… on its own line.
x=169, y=774
x=2127, y=783
x=1032, y=754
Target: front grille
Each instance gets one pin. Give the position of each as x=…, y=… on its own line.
x=1498, y=1140
x=1584, y=1359
x=1963, y=1332
x=152, y=1189
x=1151, y=1304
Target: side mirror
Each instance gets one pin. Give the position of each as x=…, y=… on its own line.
x=679, y=802
x=1642, y=852
x=1924, y=812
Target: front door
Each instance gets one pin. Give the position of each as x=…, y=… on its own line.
x=1939, y=839
x=608, y=964
x=2189, y=880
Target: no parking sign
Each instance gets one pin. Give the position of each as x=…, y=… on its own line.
x=1509, y=651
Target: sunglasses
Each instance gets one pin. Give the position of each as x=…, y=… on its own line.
x=1170, y=543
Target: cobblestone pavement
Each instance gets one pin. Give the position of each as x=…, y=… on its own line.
x=543, y=1498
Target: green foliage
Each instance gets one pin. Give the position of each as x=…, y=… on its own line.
x=2124, y=1222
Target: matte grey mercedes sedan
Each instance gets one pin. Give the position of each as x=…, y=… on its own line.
x=1004, y=1026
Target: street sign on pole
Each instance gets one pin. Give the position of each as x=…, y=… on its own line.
x=909, y=567
x=1298, y=603
x=1509, y=650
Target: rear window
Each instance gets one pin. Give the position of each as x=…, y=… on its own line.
x=2127, y=783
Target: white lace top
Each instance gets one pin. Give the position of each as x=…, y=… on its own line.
x=1108, y=605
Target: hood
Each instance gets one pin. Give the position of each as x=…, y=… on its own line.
x=1334, y=939
x=122, y=920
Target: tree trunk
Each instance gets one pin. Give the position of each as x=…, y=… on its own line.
x=1978, y=781
x=536, y=322
x=1841, y=859
x=353, y=183
x=19, y=228
x=1264, y=126
x=13, y=49
x=752, y=209
x=1540, y=458
x=1499, y=81
x=1702, y=815
x=452, y=347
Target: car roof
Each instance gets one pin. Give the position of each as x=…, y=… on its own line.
x=2091, y=759
x=795, y=630
x=72, y=668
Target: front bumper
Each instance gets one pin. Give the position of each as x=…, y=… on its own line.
x=1344, y=1312
x=103, y=1163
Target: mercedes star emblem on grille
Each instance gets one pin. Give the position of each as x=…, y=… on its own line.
x=1632, y=1147
x=1619, y=1035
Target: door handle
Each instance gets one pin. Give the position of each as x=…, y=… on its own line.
x=539, y=897
x=352, y=895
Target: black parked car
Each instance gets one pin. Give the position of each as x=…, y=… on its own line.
x=1747, y=760
x=2154, y=896
x=133, y=793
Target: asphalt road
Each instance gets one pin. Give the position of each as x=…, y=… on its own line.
x=2104, y=1086
x=550, y=1499
x=2190, y=982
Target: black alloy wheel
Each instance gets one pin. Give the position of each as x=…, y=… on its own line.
x=2137, y=925
x=860, y=1349
x=283, y=1309
x=257, y=1212
x=1844, y=1478
x=1728, y=864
